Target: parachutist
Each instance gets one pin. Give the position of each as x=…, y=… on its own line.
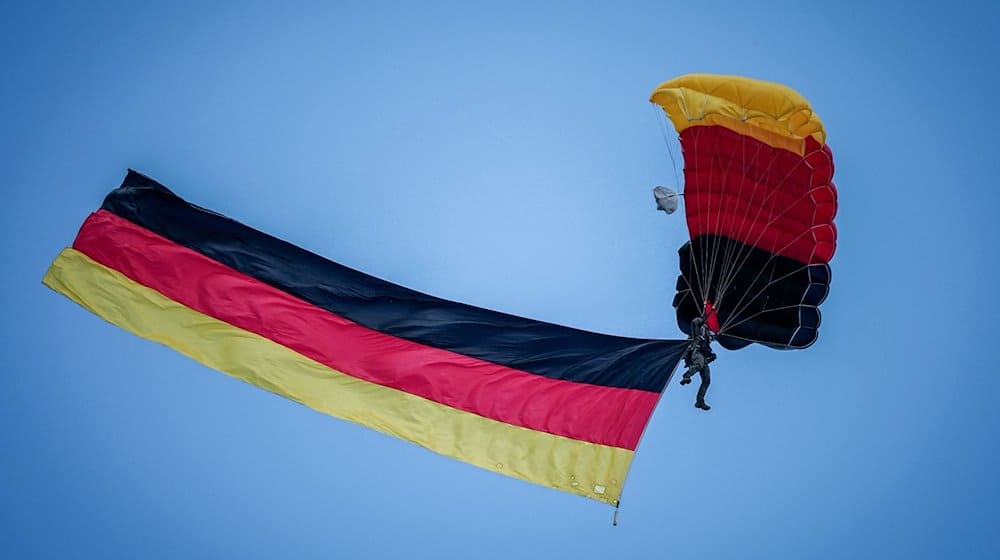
x=697, y=357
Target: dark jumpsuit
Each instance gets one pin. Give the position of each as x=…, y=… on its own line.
x=699, y=354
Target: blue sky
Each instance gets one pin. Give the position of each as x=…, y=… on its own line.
x=501, y=154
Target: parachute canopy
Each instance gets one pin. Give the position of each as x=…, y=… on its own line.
x=760, y=204
x=557, y=406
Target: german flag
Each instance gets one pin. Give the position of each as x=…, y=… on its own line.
x=557, y=406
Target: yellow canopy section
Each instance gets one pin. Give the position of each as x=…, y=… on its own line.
x=772, y=113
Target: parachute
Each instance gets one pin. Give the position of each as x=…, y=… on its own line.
x=760, y=205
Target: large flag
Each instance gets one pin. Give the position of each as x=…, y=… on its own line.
x=557, y=406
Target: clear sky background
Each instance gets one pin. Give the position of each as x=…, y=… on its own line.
x=503, y=155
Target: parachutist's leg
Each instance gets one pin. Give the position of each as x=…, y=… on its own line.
x=697, y=363
x=706, y=380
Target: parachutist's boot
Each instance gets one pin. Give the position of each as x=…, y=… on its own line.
x=686, y=378
x=702, y=405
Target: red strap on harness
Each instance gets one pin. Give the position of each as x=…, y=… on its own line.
x=711, y=317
